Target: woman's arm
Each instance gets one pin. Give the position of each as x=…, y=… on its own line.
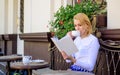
x=70, y=34
x=89, y=60
x=66, y=57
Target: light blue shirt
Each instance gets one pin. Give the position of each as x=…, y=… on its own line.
x=88, y=50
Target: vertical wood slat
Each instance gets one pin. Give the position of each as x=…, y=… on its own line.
x=58, y=62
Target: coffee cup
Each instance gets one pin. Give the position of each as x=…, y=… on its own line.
x=26, y=59
x=75, y=33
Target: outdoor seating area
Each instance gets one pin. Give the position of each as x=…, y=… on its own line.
x=108, y=61
x=59, y=37
x=14, y=64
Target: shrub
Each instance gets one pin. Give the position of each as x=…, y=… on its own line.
x=63, y=18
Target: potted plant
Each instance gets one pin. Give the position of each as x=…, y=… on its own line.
x=63, y=18
x=101, y=17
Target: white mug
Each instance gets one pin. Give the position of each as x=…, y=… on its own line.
x=75, y=33
x=26, y=59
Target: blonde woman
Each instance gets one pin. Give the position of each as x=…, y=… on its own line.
x=87, y=44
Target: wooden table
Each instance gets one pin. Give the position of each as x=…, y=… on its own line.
x=8, y=59
x=31, y=66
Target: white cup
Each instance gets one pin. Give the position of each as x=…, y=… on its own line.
x=26, y=60
x=75, y=33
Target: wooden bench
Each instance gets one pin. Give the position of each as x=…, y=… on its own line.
x=109, y=60
x=101, y=67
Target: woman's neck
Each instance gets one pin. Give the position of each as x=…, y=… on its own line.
x=84, y=35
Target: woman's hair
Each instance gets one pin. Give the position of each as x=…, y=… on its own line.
x=84, y=21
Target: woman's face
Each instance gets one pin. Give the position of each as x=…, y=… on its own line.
x=79, y=27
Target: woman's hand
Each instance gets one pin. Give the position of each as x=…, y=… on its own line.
x=65, y=56
x=70, y=34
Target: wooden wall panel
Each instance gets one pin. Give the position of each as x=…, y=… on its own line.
x=37, y=45
x=10, y=41
x=38, y=50
x=1, y=45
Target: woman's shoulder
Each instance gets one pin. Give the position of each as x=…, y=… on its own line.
x=93, y=37
x=89, y=38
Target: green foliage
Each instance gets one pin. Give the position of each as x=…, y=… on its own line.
x=63, y=18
